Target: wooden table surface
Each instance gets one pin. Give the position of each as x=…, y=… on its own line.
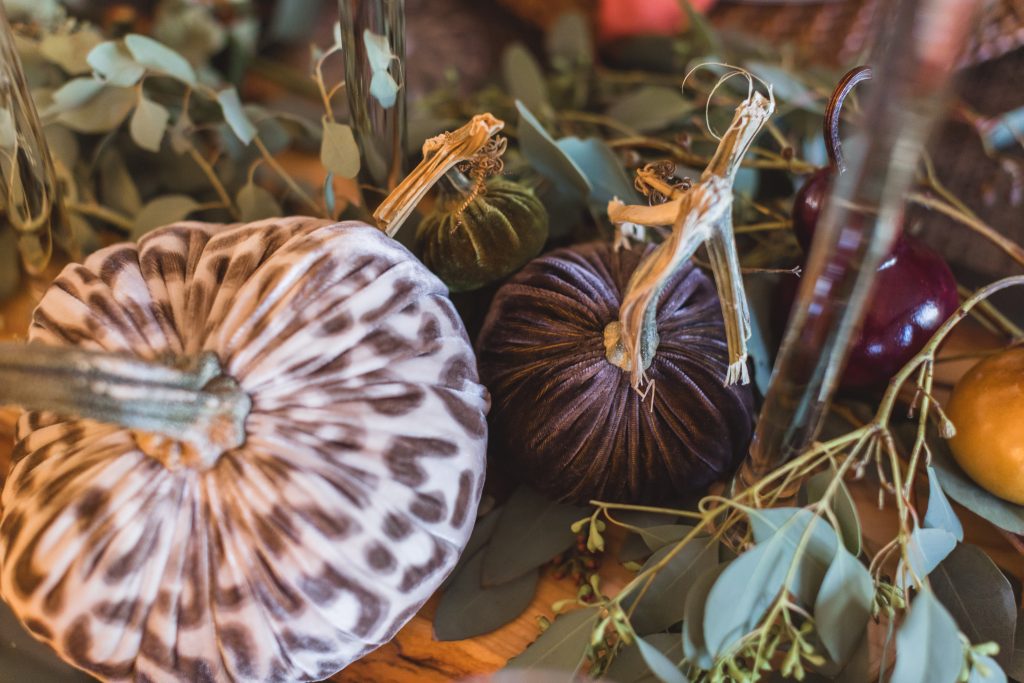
x=414, y=655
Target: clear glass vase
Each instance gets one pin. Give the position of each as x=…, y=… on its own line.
x=30, y=196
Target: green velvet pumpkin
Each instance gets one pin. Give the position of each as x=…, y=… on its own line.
x=494, y=235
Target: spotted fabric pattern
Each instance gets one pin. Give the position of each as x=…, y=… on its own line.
x=304, y=548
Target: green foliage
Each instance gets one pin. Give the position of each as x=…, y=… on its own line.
x=563, y=645
x=928, y=647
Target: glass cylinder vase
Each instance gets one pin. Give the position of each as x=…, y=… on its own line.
x=373, y=36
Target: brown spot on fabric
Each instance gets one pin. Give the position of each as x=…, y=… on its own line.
x=26, y=578
x=122, y=612
x=305, y=642
x=53, y=603
x=429, y=507
x=402, y=289
x=78, y=644
x=218, y=266
x=396, y=526
x=471, y=419
x=164, y=265
x=324, y=588
x=398, y=404
x=462, y=499
x=91, y=503
x=239, y=644
x=416, y=574
x=11, y=527
x=380, y=558
x=155, y=650
x=402, y=457
x=116, y=262
x=39, y=628
x=334, y=325
x=133, y=560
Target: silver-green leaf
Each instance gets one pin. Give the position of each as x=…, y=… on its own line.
x=928, y=647
x=339, y=152
x=235, y=115
x=547, y=157
x=629, y=665
x=694, y=645
x=162, y=211
x=75, y=93
x=842, y=505
x=114, y=63
x=531, y=530
x=524, y=79
x=255, y=203
x=102, y=113
x=563, y=646
x=963, y=490
x=843, y=607
x=661, y=666
x=468, y=609
x=651, y=108
x=940, y=513
x=148, y=124
x=986, y=670
x=158, y=57
x=925, y=550
x=664, y=602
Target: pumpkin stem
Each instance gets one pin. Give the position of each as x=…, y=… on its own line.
x=440, y=154
x=199, y=412
x=699, y=215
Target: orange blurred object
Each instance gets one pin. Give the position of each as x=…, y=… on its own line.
x=987, y=409
x=627, y=18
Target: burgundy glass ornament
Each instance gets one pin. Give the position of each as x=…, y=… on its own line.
x=569, y=422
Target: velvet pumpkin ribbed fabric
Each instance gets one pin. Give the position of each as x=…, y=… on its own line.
x=570, y=423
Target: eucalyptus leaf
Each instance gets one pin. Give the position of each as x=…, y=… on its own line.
x=255, y=202
x=70, y=50
x=162, y=211
x=149, y=124
x=858, y=668
x=63, y=145
x=235, y=115
x=963, y=490
x=563, y=646
x=330, y=203
x=843, y=606
x=928, y=647
x=480, y=536
x=657, y=537
x=468, y=609
x=383, y=86
x=102, y=113
x=524, y=79
x=569, y=40
x=787, y=525
x=629, y=665
x=113, y=62
x=986, y=670
x=926, y=549
x=339, y=152
x=745, y=591
x=117, y=187
x=664, y=602
x=547, y=157
x=979, y=597
x=1006, y=130
x=75, y=93
x=787, y=86
x=694, y=643
x=651, y=108
x=661, y=666
x=158, y=57
x=602, y=168
x=530, y=531
x=940, y=513
x=842, y=505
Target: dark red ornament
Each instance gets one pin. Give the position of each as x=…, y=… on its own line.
x=569, y=422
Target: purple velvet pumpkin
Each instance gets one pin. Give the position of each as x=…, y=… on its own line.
x=569, y=421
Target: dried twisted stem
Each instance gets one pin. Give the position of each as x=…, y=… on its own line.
x=440, y=154
x=700, y=215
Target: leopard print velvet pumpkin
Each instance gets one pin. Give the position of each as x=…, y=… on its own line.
x=308, y=546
